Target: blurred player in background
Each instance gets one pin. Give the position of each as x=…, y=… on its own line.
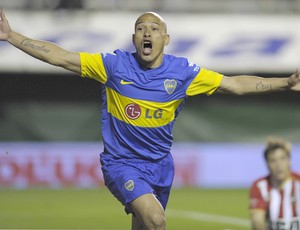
x=275, y=199
x=143, y=93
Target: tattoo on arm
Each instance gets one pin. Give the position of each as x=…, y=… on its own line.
x=260, y=86
x=29, y=43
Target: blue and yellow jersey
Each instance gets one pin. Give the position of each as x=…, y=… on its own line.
x=139, y=106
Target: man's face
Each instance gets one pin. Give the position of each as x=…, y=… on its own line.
x=149, y=39
x=279, y=164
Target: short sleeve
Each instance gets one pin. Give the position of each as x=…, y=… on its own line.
x=92, y=66
x=256, y=199
x=206, y=81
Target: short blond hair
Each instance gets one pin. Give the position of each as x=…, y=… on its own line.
x=273, y=143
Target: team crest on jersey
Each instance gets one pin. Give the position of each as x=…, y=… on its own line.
x=170, y=85
x=129, y=185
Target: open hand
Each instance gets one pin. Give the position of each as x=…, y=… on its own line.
x=294, y=81
x=4, y=26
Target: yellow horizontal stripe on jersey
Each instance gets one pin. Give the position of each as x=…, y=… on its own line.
x=206, y=81
x=140, y=113
x=92, y=66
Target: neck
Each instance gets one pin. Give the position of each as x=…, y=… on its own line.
x=149, y=64
x=278, y=183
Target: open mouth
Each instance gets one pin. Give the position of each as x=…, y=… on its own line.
x=147, y=47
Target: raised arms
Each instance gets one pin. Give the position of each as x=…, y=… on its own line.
x=244, y=84
x=42, y=50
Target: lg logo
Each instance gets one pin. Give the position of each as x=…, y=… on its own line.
x=133, y=111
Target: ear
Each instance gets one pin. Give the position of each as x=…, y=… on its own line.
x=133, y=38
x=167, y=39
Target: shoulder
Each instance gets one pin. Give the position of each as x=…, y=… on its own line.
x=116, y=54
x=181, y=62
x=117, y=58
x=123, y=53
x=261, y=181
x=259, y=193
x=296, y=176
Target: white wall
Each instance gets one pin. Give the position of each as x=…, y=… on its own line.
x=223, y=43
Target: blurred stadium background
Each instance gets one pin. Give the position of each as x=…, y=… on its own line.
x=50, y=119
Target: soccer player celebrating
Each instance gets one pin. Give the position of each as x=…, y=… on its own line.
x=143, y=92
x=275, y=199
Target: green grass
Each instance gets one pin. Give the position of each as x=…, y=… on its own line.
x=98, y=209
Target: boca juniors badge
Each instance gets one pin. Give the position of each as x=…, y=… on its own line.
x=129, y=185
x=170, y=85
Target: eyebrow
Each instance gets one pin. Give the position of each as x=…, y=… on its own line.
x=141, y=22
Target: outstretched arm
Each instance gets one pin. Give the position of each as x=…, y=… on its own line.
x=244, y=84
x=42, y=50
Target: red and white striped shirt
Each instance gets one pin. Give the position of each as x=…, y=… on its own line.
x=282, y=205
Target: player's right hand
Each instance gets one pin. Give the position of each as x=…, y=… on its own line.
x=4, y=26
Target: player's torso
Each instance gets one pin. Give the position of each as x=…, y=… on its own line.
x=283, y=205
x=145, y=98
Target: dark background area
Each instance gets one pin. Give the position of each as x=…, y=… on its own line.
x=65, y=107
x=47, y=87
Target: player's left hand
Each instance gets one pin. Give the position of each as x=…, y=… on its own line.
x=4, y=26
x=294, y=81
